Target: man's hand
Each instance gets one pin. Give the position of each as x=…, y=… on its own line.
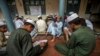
x=42, y=44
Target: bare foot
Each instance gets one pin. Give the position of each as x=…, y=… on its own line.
x=52, y=40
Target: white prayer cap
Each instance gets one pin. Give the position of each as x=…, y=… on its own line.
x=39, y=16
x=70, y=13
x=47, y=15
x=51, y=14
x=2, y=23
x=72, y=17
x=30, y=21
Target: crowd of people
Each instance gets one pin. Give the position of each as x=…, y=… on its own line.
x=78, y=32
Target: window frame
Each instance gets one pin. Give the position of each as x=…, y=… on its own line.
x=28, y=3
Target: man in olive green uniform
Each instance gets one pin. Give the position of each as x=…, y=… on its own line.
x=20, y=42
x=3, y=29
x=81, y=42
x=3, y=40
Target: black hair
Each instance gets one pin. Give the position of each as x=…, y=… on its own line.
x=19, y=18
x=3, y=26
x=27, y=23
x=83, y=22
x=76, y=21
x=40, y=18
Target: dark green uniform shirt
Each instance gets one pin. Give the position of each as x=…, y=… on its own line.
x=20, y=44
x=81, y=43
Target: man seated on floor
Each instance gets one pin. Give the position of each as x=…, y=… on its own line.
x=3, y=29
x=20, y=42
x=3, y=40
x=82, y=40
x=55, y=28
x=41, y=25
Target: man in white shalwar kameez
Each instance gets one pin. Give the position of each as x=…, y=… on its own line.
x=19, y=23
x=55, y=28
x=41, y=25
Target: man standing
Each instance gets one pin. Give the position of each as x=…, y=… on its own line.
x=20, y=42
x=82, y=39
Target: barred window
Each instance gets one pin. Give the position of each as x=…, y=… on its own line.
x=72, y=5
x=34, y=7
x=12, y=7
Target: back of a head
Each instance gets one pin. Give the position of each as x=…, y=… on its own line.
x=16, y=16
x=39, y=17
x=19, y=18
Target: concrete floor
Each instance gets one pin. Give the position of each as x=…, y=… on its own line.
x=97, y=49
x=96, y=26
x=50, y=51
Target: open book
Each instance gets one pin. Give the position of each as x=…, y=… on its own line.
x=39, y=42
